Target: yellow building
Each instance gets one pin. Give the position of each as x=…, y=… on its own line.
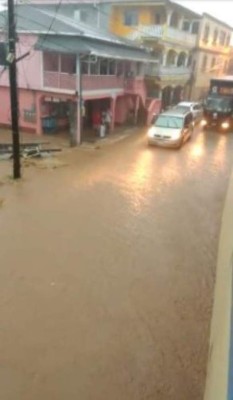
x=171, y=31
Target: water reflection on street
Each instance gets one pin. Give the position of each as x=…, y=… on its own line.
x=107, y=269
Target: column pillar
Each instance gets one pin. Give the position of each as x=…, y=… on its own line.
x=113, y=113
x=164, y=60
x=169, y=15
x=78, y=136
x=39, y=130
x=137, y=103
x=180, y=24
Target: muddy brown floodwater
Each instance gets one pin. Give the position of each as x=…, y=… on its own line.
x=107, y=269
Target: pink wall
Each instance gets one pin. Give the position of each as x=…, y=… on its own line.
x=123, y=105
x=137, y=86
x=27, y=99
x=30, y=68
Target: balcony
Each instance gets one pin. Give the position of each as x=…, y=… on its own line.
x=181, y=37
x=174, y=73
x=62, y=81
x=147, y=32
x=151, y=32
x=102, y=82
x=56, y=80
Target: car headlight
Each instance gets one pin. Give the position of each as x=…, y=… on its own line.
x=225, y=125
x=176, y=136
x=151, y=132
x=203, y=122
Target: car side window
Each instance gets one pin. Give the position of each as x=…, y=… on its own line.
x=188, y=119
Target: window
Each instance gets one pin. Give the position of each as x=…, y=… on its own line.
x=94, y=67
x=103, y=66
x=195, y=27
x=120, y=68
x=222, y=38
x=68, y=63
x=190, y=61
x=215, y=38
x=213, y=62
x=228, y=40
x=112, y=67
x=181, y=60
x=174, y=20
x=51, y=62
x=29, y=115
x=131, y=17
x=85, y=67
x=83, y=15
x=186, y=26
x=171, y=58
x=188, y=120
x=157, y=18
x=204, y=63
x=206, y=33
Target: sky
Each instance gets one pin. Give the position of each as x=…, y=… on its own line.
x=221, y=9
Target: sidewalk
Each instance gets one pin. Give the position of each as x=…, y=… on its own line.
x=62, y=139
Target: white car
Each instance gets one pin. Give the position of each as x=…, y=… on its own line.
x=194, y=107
x=171, y=129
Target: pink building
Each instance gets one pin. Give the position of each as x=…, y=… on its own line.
x=73, y=72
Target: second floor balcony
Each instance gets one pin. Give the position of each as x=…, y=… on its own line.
x=63, y=81
x=163, y=32
x=98, y=76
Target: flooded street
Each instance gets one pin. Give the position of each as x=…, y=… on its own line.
x=107, y=268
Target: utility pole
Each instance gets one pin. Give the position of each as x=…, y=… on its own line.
x=11, y=58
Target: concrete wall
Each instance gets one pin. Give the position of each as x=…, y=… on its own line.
x=30, y=68
x=27, y=102
x=123, y=106
x=219, y=373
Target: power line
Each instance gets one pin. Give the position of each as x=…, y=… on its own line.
x=53, y=20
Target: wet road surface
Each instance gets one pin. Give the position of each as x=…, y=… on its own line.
x=107, y=269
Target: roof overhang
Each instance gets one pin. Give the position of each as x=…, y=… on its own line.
x=82, y=46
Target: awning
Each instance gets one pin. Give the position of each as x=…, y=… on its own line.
x=79, y=45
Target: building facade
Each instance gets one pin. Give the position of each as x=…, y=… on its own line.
x=73, y=73
x=211, y=55
x=171, y=31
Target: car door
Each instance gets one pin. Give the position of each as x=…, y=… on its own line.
x=197, y=111
x=188, y=126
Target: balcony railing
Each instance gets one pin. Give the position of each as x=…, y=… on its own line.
x=179, y=36
x=163, y=32
x=169, y=71
x=100, y=82
x=63, y=81
x=56, y=80
x=174, y=71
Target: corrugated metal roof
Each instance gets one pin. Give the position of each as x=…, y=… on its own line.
x=83, y=45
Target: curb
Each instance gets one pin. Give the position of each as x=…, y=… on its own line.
x=220, y=368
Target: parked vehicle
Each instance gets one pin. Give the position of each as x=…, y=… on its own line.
x=194, y=107
x=218, y=106
x=171, y=129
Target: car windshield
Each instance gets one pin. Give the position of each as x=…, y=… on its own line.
x=183, y=108
x=167, y=121
x=218, y=103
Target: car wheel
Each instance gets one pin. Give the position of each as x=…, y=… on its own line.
x=180, y=144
